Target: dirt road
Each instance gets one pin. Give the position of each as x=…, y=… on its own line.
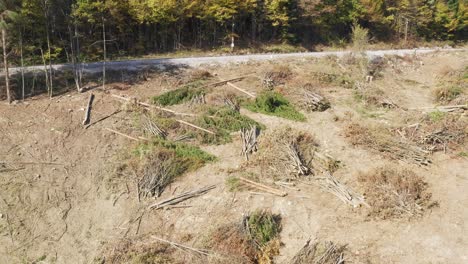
x=134, y=65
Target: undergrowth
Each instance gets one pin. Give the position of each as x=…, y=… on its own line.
x=273, y=103
x=179, y=95
x=224, y=121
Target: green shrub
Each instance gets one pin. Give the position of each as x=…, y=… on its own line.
x=263, y=227
x=224, y=121
x=179, y=95
x=436, y=116
x=188, y=157
x=273, y=103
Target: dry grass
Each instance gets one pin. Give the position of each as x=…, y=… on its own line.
x=437, y=132
x=136, y=252
x=319, y=253
x=393, y=192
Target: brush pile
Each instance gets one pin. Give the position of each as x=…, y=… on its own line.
x=314, y=102
x=276, y=77
x=444, y=133
x=319, y=253
x=157, y=172
x=393, y=192
x=381, y=141
x=287, y=153
x=152, y=129
x=254, y=240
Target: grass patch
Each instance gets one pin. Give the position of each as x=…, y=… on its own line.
x=263, y=227
x=436, y=116
x=224, y=121
x=394, y=192
x=136, y=252
x=179, y=95
x=159, y=162
x=273, y=103
x=463, y=154
x=447, y=94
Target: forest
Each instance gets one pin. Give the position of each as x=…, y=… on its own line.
x=66, y=30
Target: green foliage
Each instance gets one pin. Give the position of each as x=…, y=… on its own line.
x=263, y=227
x=273, y=103
x=179, y=95
x=188, y=157
x=224, y=121
x=436, y=116
x=359, y=38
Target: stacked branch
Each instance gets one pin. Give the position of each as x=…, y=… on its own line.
x=315, y=102
x=330, y=184
x=319, y=253
x=249, y=141
x=198, y=99
x=296, y=161
x=151, y=128
x=157, y=173
x=232, y=103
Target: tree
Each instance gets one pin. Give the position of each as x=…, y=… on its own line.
x=7, y=18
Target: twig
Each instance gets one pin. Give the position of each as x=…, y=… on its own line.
x=87, y=117
x=181, y=197
x=182, y=247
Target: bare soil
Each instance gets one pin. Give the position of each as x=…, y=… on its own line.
x=62, y=200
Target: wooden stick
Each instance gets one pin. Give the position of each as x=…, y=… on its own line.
x=102, y=119
x=240, y=89
x=182, y=247
x=263, y=187
x=87, y=117
x=197, y=127
x=125, y=135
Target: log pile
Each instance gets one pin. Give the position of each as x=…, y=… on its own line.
x=315, y=102
x=296, y=161
x=249, y=141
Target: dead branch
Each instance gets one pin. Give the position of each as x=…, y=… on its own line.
x=329, y=183
x=263, y=187
x=103, y=118
x=125, y=135
x=197, y=127
x=182, y=247
x=181, y=197
x=151, y=128
x=87, y=117
x=315, y=102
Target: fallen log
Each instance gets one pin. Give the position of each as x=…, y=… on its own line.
x=197, y=127
x=263, y=187
x=446, y=108
x=102, y=119
x=181, y=197
x=229, y=82
x=87, y=117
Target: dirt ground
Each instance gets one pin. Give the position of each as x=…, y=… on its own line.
x=61, y=201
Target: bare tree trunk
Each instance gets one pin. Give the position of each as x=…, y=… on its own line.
x=5, y=64
x=46, y=15
x=105, y=54
x=45, y=71
x=73, y=59
x=22, y=65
